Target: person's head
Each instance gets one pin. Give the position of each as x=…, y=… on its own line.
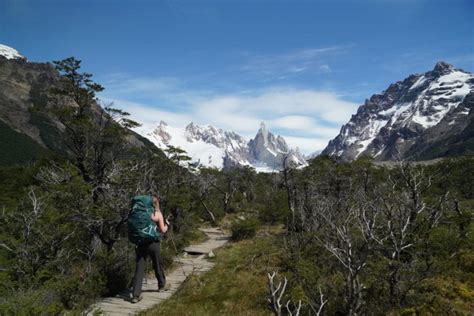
x=156, y=198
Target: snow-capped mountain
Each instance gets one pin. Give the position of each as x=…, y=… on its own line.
x=267, y=150
x=10, y=53
x=422, y=117
x=213, y=147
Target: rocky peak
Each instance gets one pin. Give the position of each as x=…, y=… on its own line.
x=192, y=129
x=208, y=134
x=273, y=150
x=442, y=68
x=162, y=124
x=160, y=133
x=263, y=132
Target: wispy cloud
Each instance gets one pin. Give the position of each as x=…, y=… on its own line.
x=309, y=59
x=125, y=84
x=306, y=118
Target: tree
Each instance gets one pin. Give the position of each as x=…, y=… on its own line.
x=94, y=135
x=96, y=138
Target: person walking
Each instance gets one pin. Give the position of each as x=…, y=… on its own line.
x=144, y=219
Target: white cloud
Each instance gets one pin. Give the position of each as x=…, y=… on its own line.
x=306, y=118
x=149, y=116
x=294, y=122
x=286, y=101
x=306, y=145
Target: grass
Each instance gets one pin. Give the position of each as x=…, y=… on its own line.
x=237, y=285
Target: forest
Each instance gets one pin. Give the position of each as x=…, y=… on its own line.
x=357, y=237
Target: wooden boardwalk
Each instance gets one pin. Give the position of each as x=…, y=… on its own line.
x=192, y=262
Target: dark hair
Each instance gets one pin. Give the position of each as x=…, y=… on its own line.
x=154, y=193
x=152, y=189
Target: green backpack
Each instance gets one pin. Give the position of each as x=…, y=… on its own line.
x=141, y=228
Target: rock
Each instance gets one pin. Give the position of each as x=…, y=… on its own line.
x=211, y=254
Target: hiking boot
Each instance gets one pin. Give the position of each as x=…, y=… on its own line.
x=137, y=299
x=163, y=288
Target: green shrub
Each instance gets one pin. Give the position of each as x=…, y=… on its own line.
x=116, y=268
x=244, y=229
x=275, y=208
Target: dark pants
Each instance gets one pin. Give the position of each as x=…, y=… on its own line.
x=142, y=251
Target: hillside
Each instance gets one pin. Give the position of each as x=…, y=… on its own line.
x=29, y=128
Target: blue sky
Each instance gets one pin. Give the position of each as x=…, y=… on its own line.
x=301, y=66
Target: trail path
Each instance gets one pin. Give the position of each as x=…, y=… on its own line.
x=193, y=262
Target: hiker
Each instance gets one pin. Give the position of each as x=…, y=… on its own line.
x=147, y=216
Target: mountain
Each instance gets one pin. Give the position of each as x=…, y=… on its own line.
x=213, y=147
x=27, y=131
x=267, y=150
x=10, y=53
x=425, y=116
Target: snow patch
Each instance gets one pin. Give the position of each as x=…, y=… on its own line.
x=369, y=134
x=455, y=76
x=418, y=83
x=10, y=53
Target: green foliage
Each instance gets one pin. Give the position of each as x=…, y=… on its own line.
x=31, y=302
x=442, y=295
x=432, y=274
x=18, y=148
x=244, y=229
x=116, y=268
x=13, y=181
x=274, y=206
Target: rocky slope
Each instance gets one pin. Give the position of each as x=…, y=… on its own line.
x=209, y=146
x=425, y=116
x=24, y=102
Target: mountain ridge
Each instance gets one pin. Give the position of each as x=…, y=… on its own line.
x=411, y=118
x=214, y=147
